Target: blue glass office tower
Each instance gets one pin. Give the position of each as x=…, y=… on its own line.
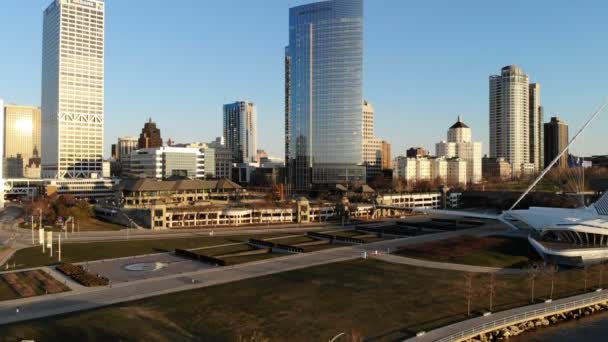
x=324, y=95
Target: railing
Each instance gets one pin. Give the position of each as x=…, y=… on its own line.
x=500, y=323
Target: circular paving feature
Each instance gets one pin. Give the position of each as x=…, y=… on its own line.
x=146, y=266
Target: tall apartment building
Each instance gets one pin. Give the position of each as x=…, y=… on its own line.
x=556, y=140
x=510, y=118
x=22, y=140
x=240, y=131
x=387, y=161
x=325, y=92
x=372, y=146
x=536, y=129
x=150, y=136
x=73, y=88
x=461, y=146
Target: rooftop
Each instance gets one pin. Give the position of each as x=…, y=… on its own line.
x=147, y=184
x=459, y=124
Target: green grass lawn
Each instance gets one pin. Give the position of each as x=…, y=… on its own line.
x=376, y=300
x=79, y=252
x=487, y=251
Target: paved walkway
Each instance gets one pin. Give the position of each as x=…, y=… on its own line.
x=395, y=259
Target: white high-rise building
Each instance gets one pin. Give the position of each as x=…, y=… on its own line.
x=439, y=169
x=461, y=146
x=73, y=89
x=510, y=117
x=372, y=146
x=457, y=171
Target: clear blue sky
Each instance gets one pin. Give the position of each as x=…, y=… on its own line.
x=425, y=63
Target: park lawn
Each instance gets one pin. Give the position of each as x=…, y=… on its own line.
x=373, y=299
x=80, y=252
x=493, y=251
x=293, y=240
x=242, y=259
x=223, y=250
x=320, y=247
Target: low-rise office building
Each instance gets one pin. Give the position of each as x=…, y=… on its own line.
x=142, y=193
x=165, y=162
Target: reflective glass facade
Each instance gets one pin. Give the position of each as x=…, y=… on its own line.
x=325, y=59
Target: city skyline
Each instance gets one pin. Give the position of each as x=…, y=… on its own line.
x=403, y=114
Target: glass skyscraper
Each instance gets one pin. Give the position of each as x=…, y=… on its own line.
x=73, y=88
x=324, y=98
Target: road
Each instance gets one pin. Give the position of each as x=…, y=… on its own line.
x=84, y=299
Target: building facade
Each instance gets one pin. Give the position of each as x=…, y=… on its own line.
x=510, y=117
x=240, y=131
x=537, y=141
x=125, y=146
x=325, y=94
x=387, y=161
x=556, y=140
x=150, y=136
x=223, y=159
x=417, y=152
x=166, y=162
x=496, y=169
x=461, y=146
x=22, y=139
x=372, y=146
x=73, y=88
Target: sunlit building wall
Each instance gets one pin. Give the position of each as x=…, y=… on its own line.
x=73, y=89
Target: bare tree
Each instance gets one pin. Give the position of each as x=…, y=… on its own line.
x=468, y=290
x=551, y=269
x=491, y=287
x=533, y=271
x=586, y=275
x=600, y=280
